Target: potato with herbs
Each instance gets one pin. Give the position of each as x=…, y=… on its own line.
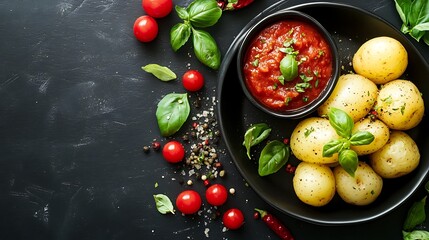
x=314, y=184
x=362, y=189
x=400, y=105
x=309, y=137
x=379, y=130
x=397, y=158
x=381, y=59
x=353, y=94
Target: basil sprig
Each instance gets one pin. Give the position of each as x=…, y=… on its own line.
x=343, y=125
x=254, y=135
x=172, y=112
x=415, y=17
x=273, y=157
x=199, y=14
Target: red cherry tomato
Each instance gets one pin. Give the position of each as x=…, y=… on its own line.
x=173, y=152
x=193, y=80
x=145, y=28
x=233, y=218
x=157, y=8
x=188, y=202
x=216, y=194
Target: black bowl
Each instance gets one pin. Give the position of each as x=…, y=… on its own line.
x=267, y=21
x=344, y=22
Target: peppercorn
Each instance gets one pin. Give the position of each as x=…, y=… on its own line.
x=146, y=149
x=156, y=145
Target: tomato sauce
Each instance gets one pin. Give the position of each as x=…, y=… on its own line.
x=262, y=65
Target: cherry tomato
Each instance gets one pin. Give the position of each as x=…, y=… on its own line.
x=233, y=218
x=188, y=202
x=145, y=28
x=216, y=194
x=193, y=80
x=157, y=8
x=173, y=152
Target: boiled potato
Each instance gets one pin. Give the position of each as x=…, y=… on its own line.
x=353, y=94
x=309, y=137
x=398, y=157
x=314, y=184
x=400, y=105
x=381, y=59
x=380, y=131
x=362, y=189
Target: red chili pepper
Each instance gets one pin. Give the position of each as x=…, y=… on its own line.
x=274, y=224
x=228, y=5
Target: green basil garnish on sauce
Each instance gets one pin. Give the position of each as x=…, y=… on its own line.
x=255, y=135
x=289, y=67
x=273, y=157
x=172, y=112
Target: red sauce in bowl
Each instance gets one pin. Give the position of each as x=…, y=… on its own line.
x=261, y=67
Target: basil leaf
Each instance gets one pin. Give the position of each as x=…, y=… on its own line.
x=206, y=49
x=333, y=147
x=255, y=135
x=361, y=138
x=179, y=35
x=161, y=72
x=403, y=8
x=416, y=215
x=289, y=67
x=204, y=13
x=415, y=235
x=172, y=112
x=348, y=159
x=341, y=122
x=182, y=13
x=273, y=157
x=163, y=204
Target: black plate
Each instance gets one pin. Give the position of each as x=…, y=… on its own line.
x=351, y=27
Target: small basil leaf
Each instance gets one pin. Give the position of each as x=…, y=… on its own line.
x=348, y=159
x=179, y=35
x=289, y=67
x=255, y=135
x=361, y=138
x=273, y=157
x=182, y=13
x=416, y=215
x=415, y=235
x=341, y=122
x=161, y=72
x=332, y=147
x=204, y=13
x=206, y=49
x=172, y=112
x=163, y=204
